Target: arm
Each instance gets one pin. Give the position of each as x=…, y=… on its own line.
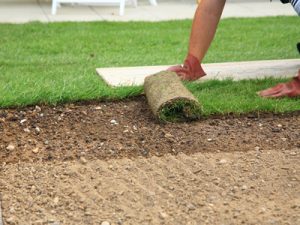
x=204, y=27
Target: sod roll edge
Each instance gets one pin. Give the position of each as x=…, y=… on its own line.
x=169, y=99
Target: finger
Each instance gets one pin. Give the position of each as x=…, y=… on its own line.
x=272, y=90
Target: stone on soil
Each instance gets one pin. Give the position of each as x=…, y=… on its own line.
x=10, y=147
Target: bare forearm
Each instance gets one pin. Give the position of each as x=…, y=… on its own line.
x=204, y=26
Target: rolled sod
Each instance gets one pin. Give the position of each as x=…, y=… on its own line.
x=169, y=99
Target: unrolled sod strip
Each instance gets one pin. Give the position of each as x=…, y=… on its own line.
x=168, y=98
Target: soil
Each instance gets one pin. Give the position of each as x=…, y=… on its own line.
x=88, y=163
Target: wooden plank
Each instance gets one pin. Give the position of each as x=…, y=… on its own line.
x=130, y=76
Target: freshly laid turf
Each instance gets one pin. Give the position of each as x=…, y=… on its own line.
x=222, y=97
x=55, y=62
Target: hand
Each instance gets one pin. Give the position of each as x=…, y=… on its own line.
x=290, y=89
x=191, y=69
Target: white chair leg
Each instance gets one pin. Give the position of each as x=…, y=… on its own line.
x=153, y=2
x=54, y=7
x=122, y=7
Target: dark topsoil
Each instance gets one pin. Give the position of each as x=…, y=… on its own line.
x=128, y=129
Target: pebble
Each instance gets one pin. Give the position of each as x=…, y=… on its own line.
x=257, y=148
x=209, y=139
x=83, y=160
x=10, y=147
x=190, y=206
x=10, y=220
x=163, y=215
x=223, y=161
x=144, y=152
x=293, y=153
x=27, y=130
x=38, y=109
x=12, y=210
x=244, y=187
x=279, y=125
x=33, y=188
x=87, y=213
x=262, y=210
x=23, y=121
x=98, y=108
x=56, y=200
x=110, y=166
x=38, y=129
x=168, y=135
x=114, y=122
x=35, y=150
x=105, y=223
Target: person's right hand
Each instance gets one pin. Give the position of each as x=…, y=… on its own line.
x=191, y=69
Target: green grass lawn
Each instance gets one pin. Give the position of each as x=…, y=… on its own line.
x=55, y=62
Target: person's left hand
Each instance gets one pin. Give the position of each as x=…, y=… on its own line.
x=290, y=89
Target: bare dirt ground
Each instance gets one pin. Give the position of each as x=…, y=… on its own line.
x=96, y=162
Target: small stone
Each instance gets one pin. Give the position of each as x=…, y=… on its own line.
x=144, y=152
x=98, y=108
x=23, y=121
x=87, y=213
x=56, y=200
x=105, y=223
x=257, y=148
x=223, y=161
x=276, y=129
x=244, y=187
x=83, y=160
x=38, y=109
x=163, y=215
x=10, y=219
x=37, y=129
x=190, y=206
x=35, y=150
x=262, y=210
x=279, y=125
x=134, y=127
x=293, y=153
x=260, y=124
x=283, y=139
x=114, y=122
x=33, y=188
x=46, y=142
x=10, y=147
x=209, y=140
x=27, y=130
x=126, y=131
x=168, y=135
